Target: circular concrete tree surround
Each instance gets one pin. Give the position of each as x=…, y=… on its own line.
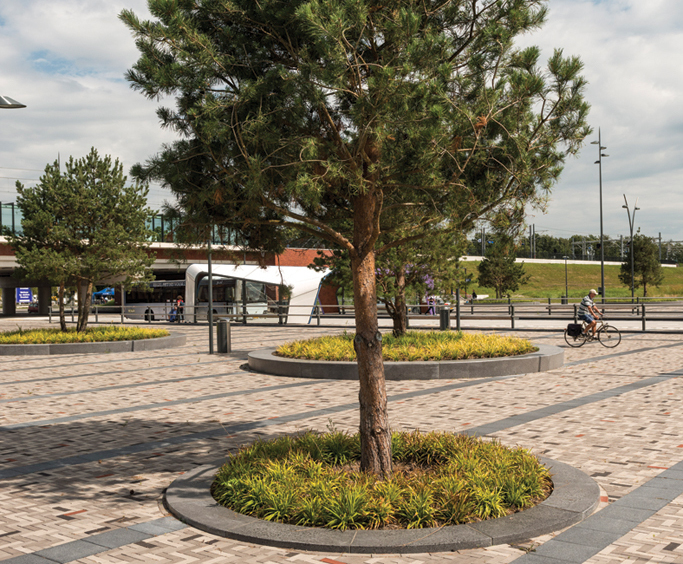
x=575, y=496
x=101, y=347
x=546, y=358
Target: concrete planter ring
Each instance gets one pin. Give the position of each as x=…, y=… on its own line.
x=575, y=496
x=102, y=347
x=546, y=358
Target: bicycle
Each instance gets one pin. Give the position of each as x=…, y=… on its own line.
x=608, y=335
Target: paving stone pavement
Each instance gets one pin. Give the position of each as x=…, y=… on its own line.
x=103, y=435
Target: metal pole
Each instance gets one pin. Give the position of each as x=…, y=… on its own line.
x=631, y=222
x=210, y=313
x=566, y=281
x=660, y=247
x=602, y=242
x=531, y=246
x=457, y=309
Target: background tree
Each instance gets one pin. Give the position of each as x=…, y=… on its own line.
x=499, y=270
x=407, y=272
x=646, y=266
x=82, y=226
x=327, y=116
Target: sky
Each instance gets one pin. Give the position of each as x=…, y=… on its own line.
x=66, y=60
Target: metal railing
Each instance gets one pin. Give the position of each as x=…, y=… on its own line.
x=416, y=314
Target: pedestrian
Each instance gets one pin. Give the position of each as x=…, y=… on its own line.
x=179, y=307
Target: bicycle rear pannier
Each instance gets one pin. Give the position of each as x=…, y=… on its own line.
x=574, y=329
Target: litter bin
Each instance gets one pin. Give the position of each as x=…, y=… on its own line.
x=445, y=318
x=223, y=336
x=565, y=301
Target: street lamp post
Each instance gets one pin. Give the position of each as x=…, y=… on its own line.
x=566, y=282
x=9, y=103
x=631, y=222
x=602, y=244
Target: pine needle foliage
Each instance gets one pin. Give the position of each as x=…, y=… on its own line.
x=412, y=346
x=90, y=335
x=439, y=479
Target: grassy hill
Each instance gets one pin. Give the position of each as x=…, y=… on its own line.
x=548, y=281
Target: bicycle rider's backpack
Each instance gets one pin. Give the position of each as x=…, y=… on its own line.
x=574, y=329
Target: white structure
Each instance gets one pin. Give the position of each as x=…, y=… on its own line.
x=304, y=285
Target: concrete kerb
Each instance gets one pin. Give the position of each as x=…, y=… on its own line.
x=169, y=342
x=575, y=496
x=546, y=358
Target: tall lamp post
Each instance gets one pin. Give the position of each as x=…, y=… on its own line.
x=602, y=244
x=631, y=222
x=9, y=103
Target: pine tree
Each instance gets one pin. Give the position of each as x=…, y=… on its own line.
x=81, y=226
x=327, y=116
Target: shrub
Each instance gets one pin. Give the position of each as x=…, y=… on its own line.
x=91, y=335
x=413, y=346
x=439, y=479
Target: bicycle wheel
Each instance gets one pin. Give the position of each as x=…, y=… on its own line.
x=574, y=341
x=609, y=336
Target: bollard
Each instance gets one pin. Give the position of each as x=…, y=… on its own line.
x=97, y=318
x=407, y=317
x=49, y=314
x=223, y=336
x=512, y=316
x=550, y=308
x=576, y=314
x=643, y=306
x=444, y=319
x=317, y=313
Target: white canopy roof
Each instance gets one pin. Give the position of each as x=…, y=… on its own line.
x=303, y=281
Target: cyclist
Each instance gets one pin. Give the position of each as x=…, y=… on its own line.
x=587, y=310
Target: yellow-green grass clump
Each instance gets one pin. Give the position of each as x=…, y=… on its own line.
x=414, y=345
x=439, y=479
x=92, y=335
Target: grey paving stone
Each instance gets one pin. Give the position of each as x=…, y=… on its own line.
x=587, y=537
x=675, y=486
x=645, y=500
x=159, y=526
x=69, y=551
x=118, y=537
x=626, y=513
x=569, y=551
x=607, y=525
x=672, y=473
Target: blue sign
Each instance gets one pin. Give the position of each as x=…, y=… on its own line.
x=24, y=295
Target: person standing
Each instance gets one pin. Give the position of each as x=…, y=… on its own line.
x=179, y=307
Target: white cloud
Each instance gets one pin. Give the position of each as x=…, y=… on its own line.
x=633, y=53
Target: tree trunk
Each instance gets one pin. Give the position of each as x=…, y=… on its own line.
x=84, y=308
x=62, y=316
x=375, y=434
